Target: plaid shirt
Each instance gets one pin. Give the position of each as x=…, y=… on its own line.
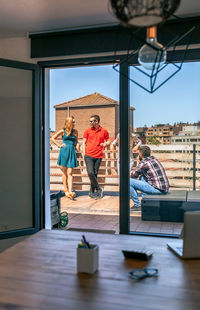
x=153, y=173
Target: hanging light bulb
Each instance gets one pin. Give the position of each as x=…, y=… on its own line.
x=154, y=57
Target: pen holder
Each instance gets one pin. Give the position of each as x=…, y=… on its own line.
x=88, y=259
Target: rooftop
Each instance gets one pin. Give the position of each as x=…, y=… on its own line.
x=92, y=99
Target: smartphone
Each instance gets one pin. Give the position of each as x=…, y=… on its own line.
x=137, y=254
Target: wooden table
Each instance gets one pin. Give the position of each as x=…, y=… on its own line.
x=40, y=273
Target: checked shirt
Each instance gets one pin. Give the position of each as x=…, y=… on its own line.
x=153, y=173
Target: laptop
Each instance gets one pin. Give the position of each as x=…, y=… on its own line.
x=189, y=246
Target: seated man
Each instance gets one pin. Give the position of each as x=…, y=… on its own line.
x=153, y=180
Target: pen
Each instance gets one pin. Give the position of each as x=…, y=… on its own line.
x=86, y=242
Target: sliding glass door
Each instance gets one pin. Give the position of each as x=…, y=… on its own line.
x=20, y=149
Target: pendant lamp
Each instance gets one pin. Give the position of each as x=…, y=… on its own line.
x=143, y=13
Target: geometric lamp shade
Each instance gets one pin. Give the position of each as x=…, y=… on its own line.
x=152, y=79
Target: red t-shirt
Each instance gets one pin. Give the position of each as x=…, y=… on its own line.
x=94, y=137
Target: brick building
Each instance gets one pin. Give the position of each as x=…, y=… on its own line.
x=82, y=108
x=163, y=133
x=141, y=133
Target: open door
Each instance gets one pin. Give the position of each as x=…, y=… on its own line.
x=20, y=139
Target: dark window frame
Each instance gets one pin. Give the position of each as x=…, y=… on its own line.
x=124, y=220
x=36, y=144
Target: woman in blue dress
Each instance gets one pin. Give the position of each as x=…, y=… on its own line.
x=67, y=158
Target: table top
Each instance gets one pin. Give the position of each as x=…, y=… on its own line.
x=40, y=273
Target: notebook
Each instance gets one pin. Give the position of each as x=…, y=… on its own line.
x=189, y=246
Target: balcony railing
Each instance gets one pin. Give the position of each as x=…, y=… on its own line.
x=181, y=164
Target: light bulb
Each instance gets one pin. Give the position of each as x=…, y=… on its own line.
x=152, y=58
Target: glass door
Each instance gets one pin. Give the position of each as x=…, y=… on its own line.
x=20, y=123
x=97, y=94
x=166, y=123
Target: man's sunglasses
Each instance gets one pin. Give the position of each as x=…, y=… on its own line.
x=94, y=121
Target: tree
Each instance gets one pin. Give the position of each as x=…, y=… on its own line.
x=152, y=140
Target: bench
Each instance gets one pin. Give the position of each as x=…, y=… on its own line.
x=169, y=207
x=193, y=201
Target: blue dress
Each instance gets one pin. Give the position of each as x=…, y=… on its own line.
x=67, y=156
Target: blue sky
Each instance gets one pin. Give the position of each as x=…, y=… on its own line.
x=177, y=100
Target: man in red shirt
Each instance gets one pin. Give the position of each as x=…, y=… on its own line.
x=95, y=139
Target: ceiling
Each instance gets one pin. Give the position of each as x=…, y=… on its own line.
x=20, y=17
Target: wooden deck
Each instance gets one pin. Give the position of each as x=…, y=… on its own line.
x=103, y=215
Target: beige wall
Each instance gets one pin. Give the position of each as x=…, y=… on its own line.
x=16, y=49
x=82, y=116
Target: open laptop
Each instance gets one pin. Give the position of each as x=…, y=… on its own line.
x=189, y=246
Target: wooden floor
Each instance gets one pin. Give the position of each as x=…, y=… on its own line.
x=103, y=214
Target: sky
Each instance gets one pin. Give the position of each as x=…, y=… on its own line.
x=176, y=101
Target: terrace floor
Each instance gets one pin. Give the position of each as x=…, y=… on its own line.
x=103, y=215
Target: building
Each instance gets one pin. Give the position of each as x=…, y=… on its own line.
x=163, y=133
x=82, y=108
x=189, y=135
x=34, y=37
x=141, y=133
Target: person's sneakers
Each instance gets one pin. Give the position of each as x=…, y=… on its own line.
x=92, y=195
x=99, y=193
x=135, y=208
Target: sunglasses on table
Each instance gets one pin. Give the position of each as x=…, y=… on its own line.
x=142, y=273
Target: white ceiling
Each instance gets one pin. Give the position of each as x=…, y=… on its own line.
x=19, y=17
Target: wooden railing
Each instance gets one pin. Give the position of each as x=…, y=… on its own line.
x=181, y=163
x=178, y=161
x=107, y=177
